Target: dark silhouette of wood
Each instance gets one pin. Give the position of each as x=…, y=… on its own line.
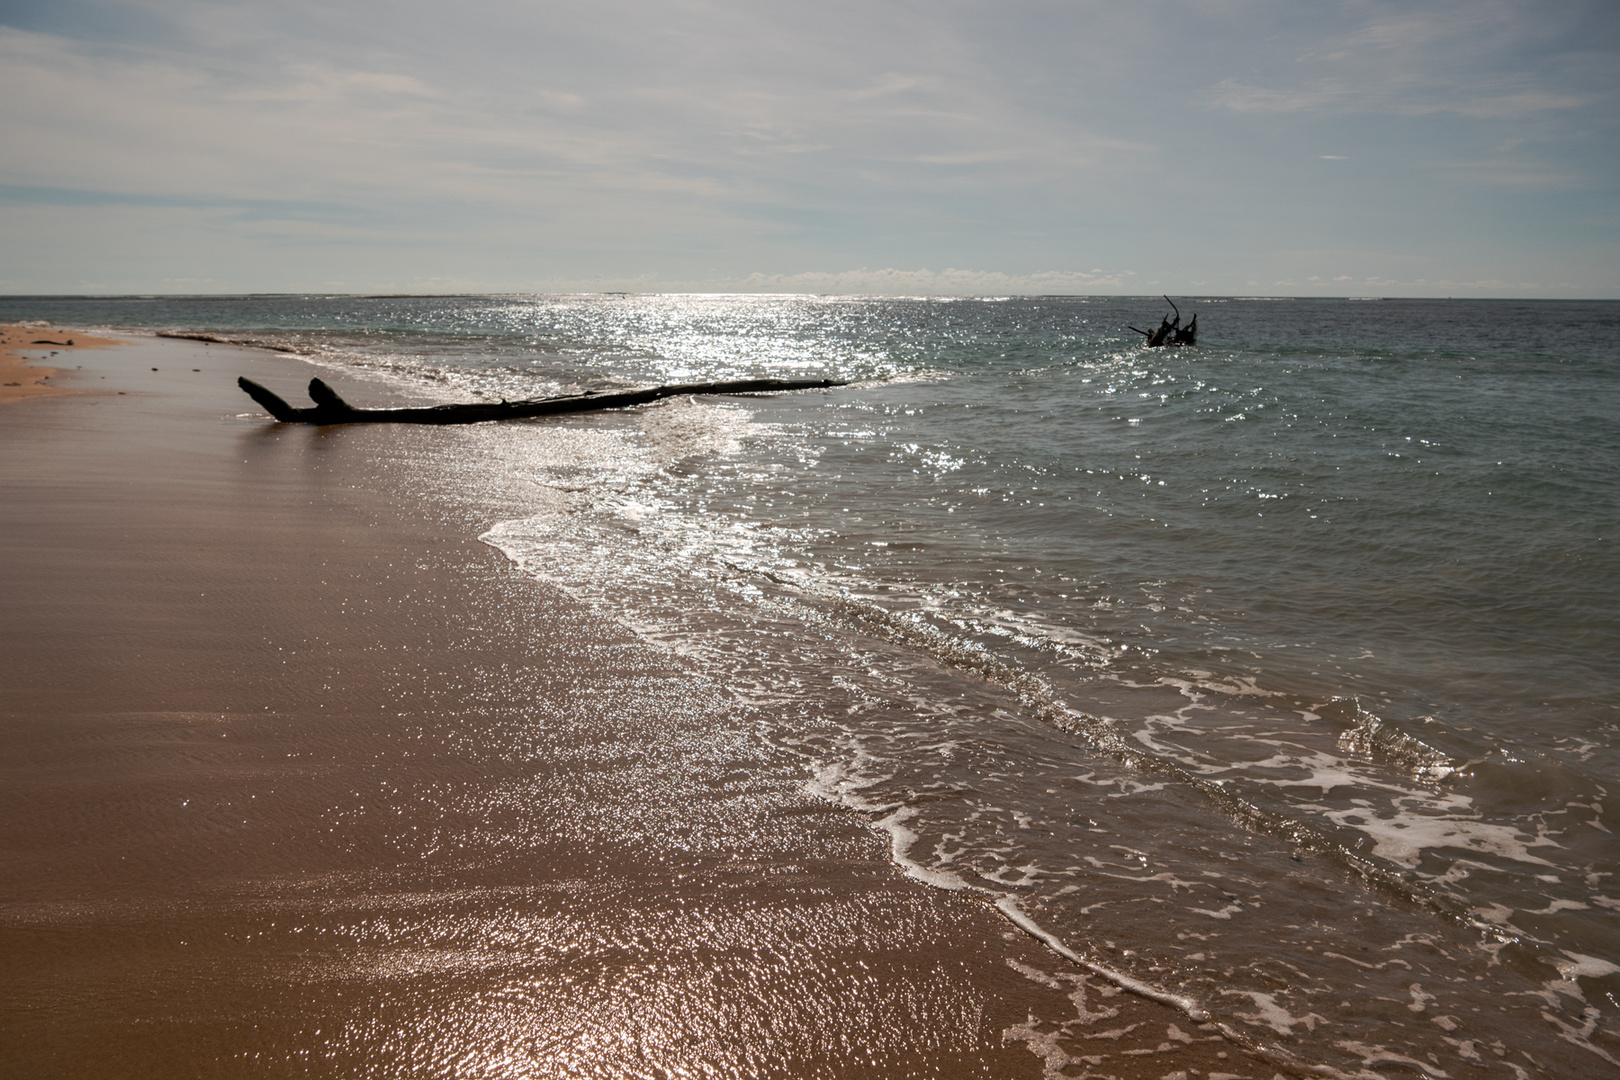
x=332, y=409
x=1187, y=335
x=1170, y=333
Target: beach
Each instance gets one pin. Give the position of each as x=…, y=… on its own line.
x=21, y=375
x=301, y=778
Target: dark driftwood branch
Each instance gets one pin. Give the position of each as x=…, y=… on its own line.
x=1171, y=334
x=331, y=409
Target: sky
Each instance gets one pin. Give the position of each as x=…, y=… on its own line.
x=1195, y=147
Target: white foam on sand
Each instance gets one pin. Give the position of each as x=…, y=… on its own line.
x=1008, y=906
x=839, y=782
x=1403, y=836
x=1592, y=967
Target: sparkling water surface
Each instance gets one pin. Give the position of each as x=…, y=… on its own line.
x=1330, y=602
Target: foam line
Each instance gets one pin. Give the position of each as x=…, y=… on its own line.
x=1009, y=907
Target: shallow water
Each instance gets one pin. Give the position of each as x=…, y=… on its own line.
x=1273, y=677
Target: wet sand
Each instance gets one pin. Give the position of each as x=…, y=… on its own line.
x=302, y=779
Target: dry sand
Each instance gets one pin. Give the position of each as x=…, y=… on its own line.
x=301, y=779
x=21, y=375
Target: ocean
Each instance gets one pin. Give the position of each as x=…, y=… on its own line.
x=1273, y=678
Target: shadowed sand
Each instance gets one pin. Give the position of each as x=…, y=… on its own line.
x=301, y=779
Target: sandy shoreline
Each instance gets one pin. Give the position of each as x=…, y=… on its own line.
x=300, y=777
x=22, y=377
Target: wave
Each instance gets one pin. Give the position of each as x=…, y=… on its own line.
x=1372, y=736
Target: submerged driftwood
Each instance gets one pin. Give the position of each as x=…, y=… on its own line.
x=1171, y=334
x=331, y=409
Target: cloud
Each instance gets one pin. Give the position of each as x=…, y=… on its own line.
x=1335, y=95
x=526, y=130
x=1506, y=105
x=502, y=142
x=1514, y=174
x=1486, y=59
x=947, y=282
x=1231, y=95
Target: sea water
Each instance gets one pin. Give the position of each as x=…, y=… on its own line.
x=1275, y=677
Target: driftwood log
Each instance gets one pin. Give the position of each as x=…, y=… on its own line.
x=1171, y=334
x=331, y=409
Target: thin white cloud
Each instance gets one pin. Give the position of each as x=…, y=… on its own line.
x=1488, y=59
x=1507, y=105
x=947, y=282
x=1232, y=95
x=1337, y=95
x=1514, y=174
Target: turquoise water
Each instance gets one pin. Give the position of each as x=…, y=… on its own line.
x=1341, y=582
